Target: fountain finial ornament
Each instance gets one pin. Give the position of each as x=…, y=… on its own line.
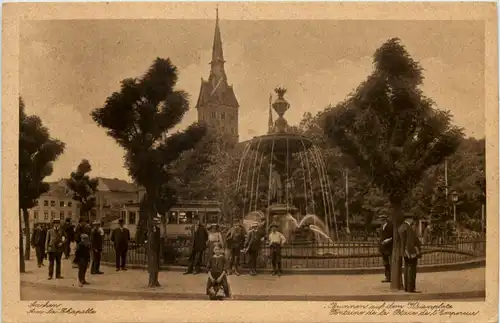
x=280, y=106
x=280, y=91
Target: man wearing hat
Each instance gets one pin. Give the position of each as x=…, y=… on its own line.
x=54, y=245
x=199, y=238
x=120, y=238
x=252, y=247
x=386, y=243
x=235, y=241
x=38, y=242
x=276, y=241
x=411, y=250
x=96, y=243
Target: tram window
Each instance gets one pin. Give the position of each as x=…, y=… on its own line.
x=212, y=217
x=185, y=217
x=172, y=217
x=131, y=217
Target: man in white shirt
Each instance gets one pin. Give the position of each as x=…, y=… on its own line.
x=276, y=241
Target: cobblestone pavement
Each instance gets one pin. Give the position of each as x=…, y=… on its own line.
x=132, y=283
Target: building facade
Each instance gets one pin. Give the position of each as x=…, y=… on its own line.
x=217, y=104
x=111, y=198
x=57, y=203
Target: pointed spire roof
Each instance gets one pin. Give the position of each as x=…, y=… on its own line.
x=217, y=53
x=216, y=89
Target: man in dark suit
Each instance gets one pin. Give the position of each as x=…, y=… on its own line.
x=54, y=244
x=411, y=250
x=69, y=232
x=38, y=242
x=96, y=242
x=252, y=247
x=121, y=238
x=200, y=238
x=386, y=243
x=78, y=230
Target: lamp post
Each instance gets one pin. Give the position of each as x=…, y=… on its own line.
x=454, y=200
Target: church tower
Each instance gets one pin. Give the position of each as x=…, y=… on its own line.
x=217, y=105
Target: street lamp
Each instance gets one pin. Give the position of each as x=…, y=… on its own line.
x=454, y=200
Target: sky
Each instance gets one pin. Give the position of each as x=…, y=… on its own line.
x=69, y=67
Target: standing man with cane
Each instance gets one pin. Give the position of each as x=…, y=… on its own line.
x=411, y=250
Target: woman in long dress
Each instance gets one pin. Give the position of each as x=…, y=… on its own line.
x=214, y=238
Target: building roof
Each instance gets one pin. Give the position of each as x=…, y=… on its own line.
x=223, y=95
x=60, y=189
x=116, y=185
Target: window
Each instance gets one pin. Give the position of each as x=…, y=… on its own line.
x=70, y=204
x=61, y=215
x=185, y=217
x=46, y=215
x=172, y=217
x=35, y=215
x=52, y=215
x=70, y=214
x=52, y=203
x=131, y=218
x=212, y=217
x=45, y=203
x=214, y=114
x=61, y=203
x=222, y=115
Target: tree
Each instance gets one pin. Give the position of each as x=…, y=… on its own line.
x=139, y=117
x=37, y=152
x=392, y=131
x=83, y=188
x=193, y=168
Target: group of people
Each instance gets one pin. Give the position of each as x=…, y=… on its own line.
x=236, y=241
x=411, y=250
x=223, y=254
x=54, y=242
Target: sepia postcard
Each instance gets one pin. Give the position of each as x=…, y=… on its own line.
x=250, y=162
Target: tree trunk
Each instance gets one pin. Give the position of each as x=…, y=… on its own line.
x=27, y=246
x=153, y=261
x=22, y=267
x=397, y=256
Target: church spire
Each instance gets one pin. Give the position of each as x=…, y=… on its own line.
x=217, y=71
x=217, y=53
